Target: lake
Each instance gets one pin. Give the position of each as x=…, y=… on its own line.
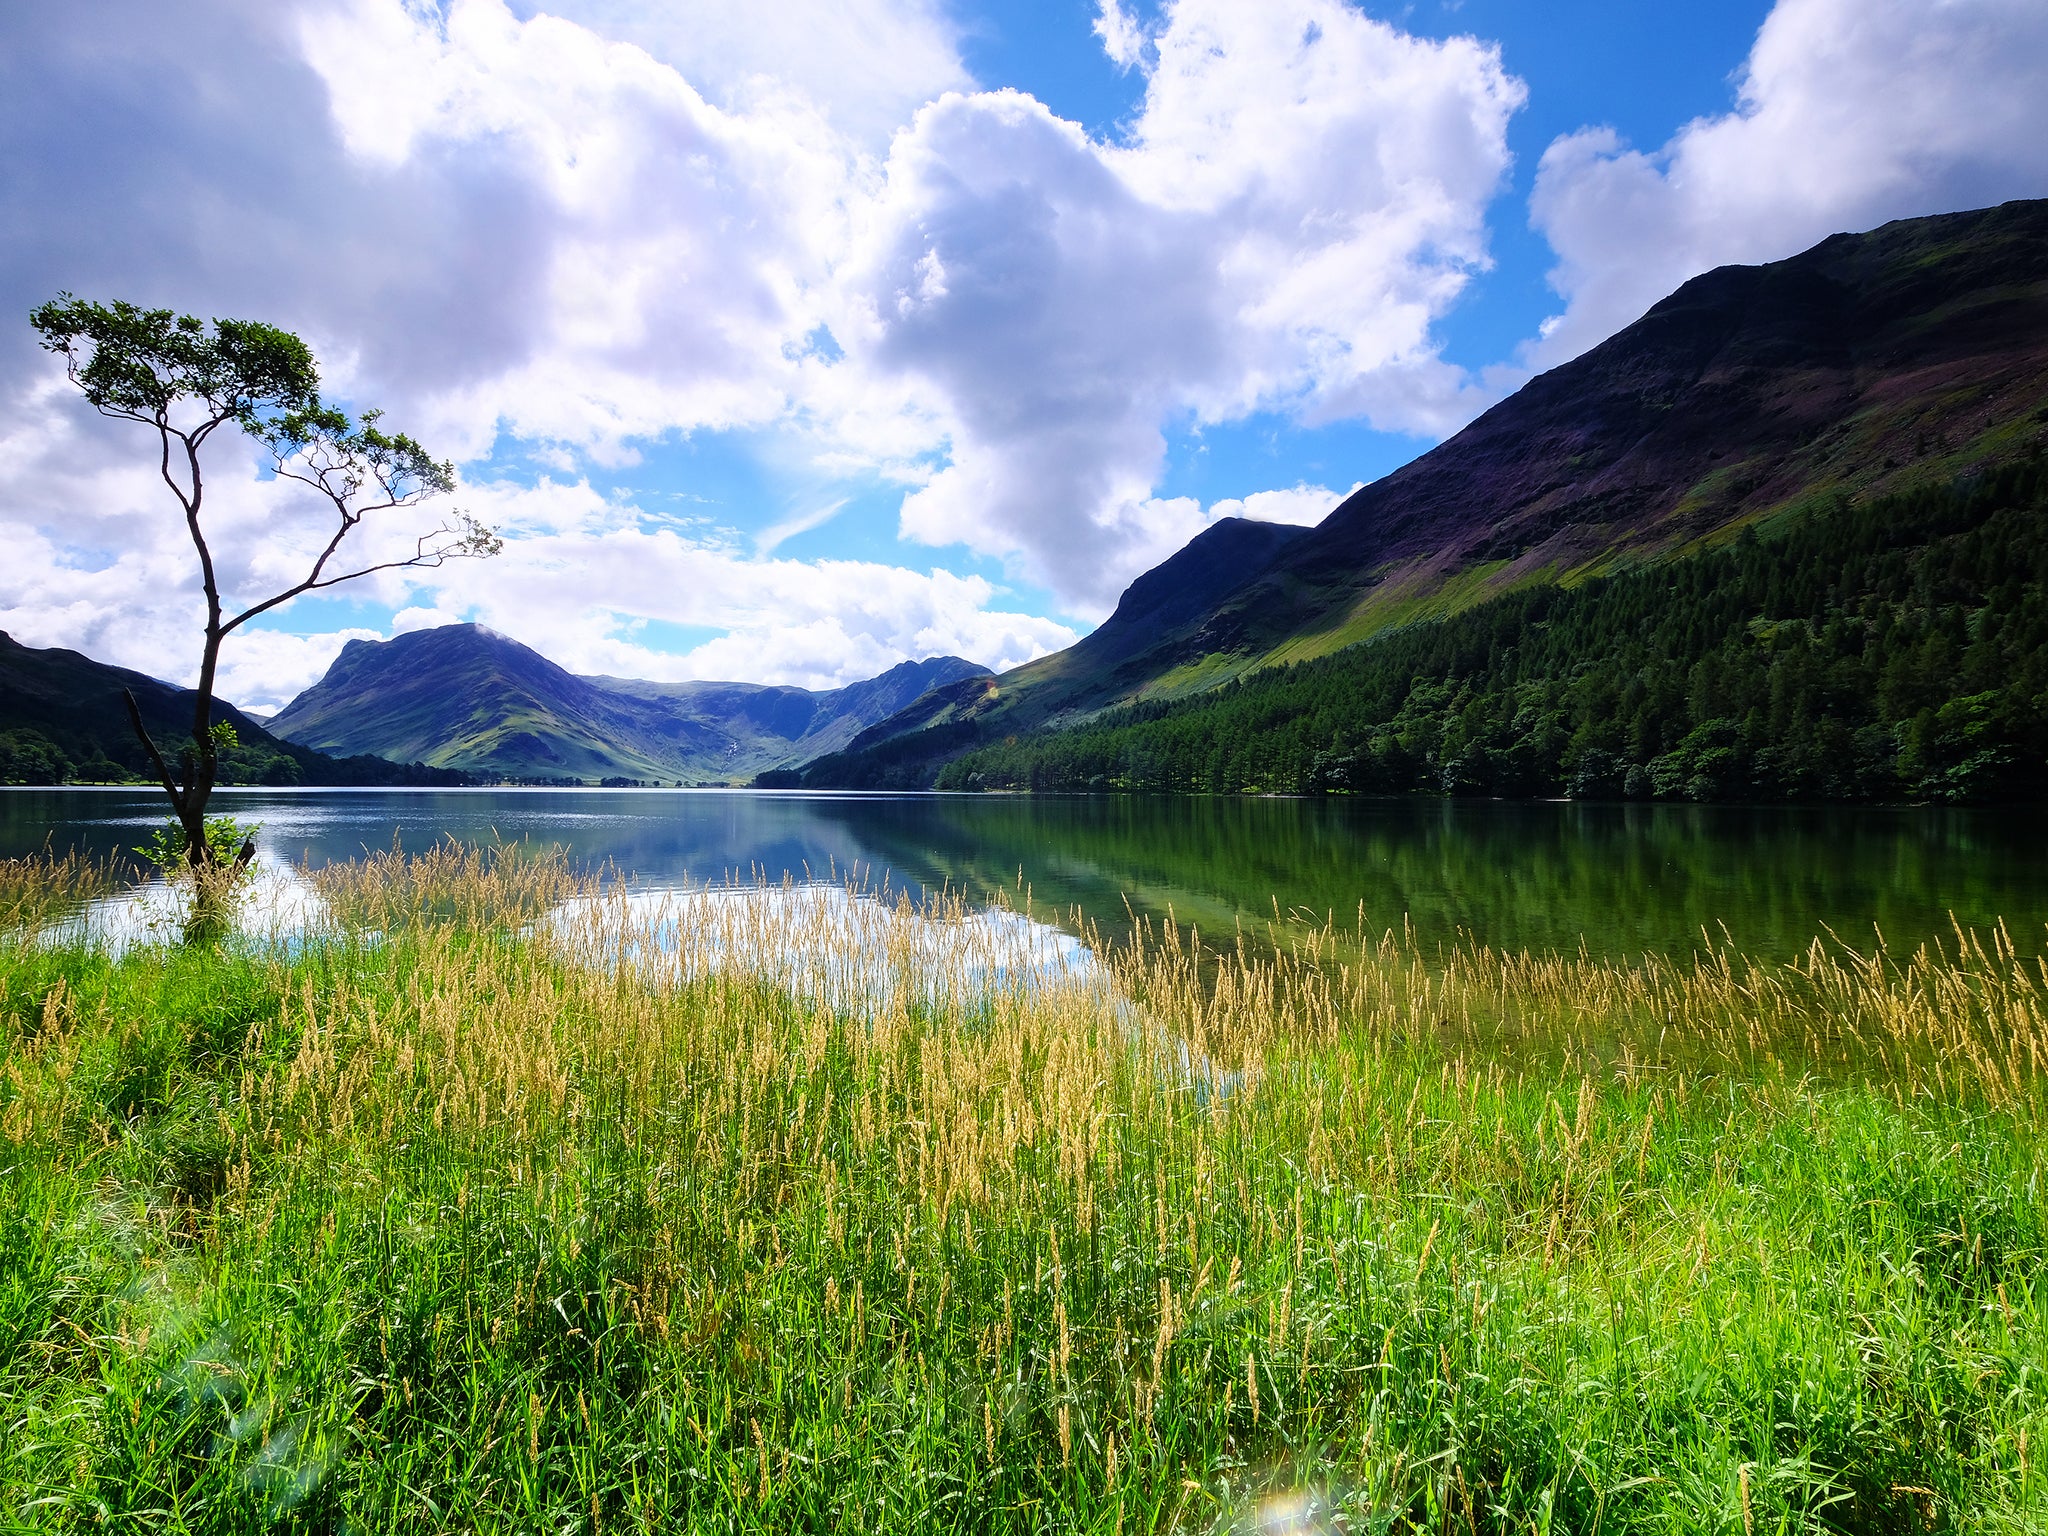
x=1622, y=879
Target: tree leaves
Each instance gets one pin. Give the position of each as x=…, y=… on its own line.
x=143, y=363
x=186, y=378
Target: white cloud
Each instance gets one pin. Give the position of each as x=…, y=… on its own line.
x=868, y=64
x=1301, y=197
x=1304, y=505
x=572, y=234
x=1122, y=38
x=676, y=241
x=1849, y=113
x=582, y=596
x=775, y=535
x=487, y=225
x=411, y=620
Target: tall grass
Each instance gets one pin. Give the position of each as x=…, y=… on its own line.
x=35, y=889
x=772, y=1211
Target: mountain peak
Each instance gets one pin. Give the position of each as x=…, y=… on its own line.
x=466, y=696
x=1158, y=608
x=1224, y=555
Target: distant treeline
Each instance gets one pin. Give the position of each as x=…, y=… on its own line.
x=1894, y=650
x=49, y=754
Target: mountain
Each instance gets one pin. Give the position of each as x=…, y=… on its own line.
x=1120, y=655
x=1887, y=650
x=906, y=747
x=464, y=696
x=62, y=717
x=1869, y=365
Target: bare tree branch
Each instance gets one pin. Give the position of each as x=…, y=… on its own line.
x=473, y=542
x=163, y=769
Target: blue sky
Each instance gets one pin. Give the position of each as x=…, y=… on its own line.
x=785, y=342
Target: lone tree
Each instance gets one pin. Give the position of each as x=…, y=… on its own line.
x=186, y=380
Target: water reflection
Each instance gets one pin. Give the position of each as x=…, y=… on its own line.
x=274, y=908
x=829, y=945
x=1622, y=879
x=837, y=946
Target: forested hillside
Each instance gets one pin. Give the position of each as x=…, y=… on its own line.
x=1867, y=368
x=1890, y=650
x=63, y=720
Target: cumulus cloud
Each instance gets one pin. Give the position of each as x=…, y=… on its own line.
x=187, y=158
x=490, y=225
x=868, y=64
x=584, y=596
x=1302, y=194
x=1304, y=505
x=1849, y=113
x=678, y=239
x=581, y=581
x=1122, y=38
x=562, y=233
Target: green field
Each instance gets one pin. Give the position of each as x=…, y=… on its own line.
x=436, y=1217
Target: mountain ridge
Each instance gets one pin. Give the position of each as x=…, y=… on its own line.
x=62, y=717
x=1868, y=364
x=1861, y=364
x=1180, y=590
x=465, y=696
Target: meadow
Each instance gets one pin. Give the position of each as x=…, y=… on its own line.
x=498, y=1200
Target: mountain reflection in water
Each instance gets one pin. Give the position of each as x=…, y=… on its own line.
x=1622, y=879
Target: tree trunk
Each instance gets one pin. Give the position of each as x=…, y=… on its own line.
x=191, y=807
x=189, y=801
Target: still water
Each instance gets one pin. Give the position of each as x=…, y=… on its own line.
x=1622, y=879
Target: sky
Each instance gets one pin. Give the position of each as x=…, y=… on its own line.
x=783, y=342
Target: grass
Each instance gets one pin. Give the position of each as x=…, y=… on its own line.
x=33, y=890
x=746, y=1213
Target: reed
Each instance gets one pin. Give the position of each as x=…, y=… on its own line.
x=36, y=889
x=509, y=1200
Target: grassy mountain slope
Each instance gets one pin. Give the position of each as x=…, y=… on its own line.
x=1866, y=364
x=62, y=718
x=1870, y=364
x=1121, y=656
x=465, y=696
x=1894, y=650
